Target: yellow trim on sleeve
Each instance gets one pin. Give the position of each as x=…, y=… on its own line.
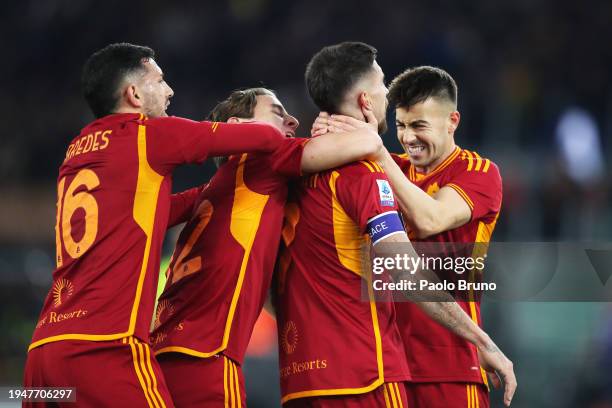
x=462, y=193
x=486, y=166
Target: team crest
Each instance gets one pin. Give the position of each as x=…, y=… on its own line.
x=385, y=193
x=165, y=309
x=289, y=337
x=62, y=290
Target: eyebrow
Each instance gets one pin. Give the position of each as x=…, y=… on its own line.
x=279, y=107
x=418, y=122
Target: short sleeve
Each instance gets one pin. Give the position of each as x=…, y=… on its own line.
x=364, y=192
x=480, y=187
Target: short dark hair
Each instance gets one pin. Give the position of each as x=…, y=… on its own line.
x=415, y=85
x=105, y=69
x=239, y=104
x=332, y=72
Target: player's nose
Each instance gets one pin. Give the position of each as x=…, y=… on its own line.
x=407, y=137
x=291, y=122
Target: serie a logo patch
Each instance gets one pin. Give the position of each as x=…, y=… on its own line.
x=385, y=193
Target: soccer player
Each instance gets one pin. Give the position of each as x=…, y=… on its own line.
x=447, y=195
x=336, y=349
x=112, y=212
x=223, y=262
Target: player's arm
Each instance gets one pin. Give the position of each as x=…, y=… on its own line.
x=182, y=205
x=172, y=141
x=440, y=305
x=335, y=149
x=424, y=215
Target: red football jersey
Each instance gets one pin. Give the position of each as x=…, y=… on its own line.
x=333, y=341
x=112, y=212
x=222, y=266
x=434, y=353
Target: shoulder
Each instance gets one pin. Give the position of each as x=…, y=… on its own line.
x=469, y=162
x=361, y=168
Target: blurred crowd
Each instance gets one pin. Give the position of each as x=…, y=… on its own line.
x=535, y=94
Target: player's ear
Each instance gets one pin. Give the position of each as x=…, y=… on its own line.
x=454, y=119
x=234, y=119
x=365, y=101
x=132, y=97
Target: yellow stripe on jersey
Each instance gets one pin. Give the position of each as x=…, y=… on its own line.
x=137, y=368
x=377, y=166
x=386, y=394
x=368, y=165
x=486, y=166
x=145, y=204
x=462, y=193
x=237, y=386
x=469, y=159
x=478, y=161
x=393, y=396
x=232, y=387
x=152, y=373
x=350, y=244
x=399, y=396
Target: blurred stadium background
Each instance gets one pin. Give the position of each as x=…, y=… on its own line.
x=535, y=96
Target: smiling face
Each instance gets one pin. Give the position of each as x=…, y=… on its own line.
x=426, y=132
x=153, y=89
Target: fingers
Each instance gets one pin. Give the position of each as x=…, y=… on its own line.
x=319, y=126
x=510, y=388
x=369, y=115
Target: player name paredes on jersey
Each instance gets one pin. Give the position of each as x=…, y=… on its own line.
x=89, y=143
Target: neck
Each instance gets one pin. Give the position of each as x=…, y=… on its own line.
x=432, y=166
x=128, y=109
x=353, y=112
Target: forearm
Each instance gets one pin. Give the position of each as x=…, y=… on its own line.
x=421, y=212
x=438, y=304
x=451, y=316
x=234, y=138
x=336, y=149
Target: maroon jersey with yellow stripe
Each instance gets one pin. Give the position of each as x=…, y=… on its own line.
x=434, y=353
x=334, y=341
x=112, y=212
x=221, y=269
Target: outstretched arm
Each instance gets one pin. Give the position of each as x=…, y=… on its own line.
x=441, y=307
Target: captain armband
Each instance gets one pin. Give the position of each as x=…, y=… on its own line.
x=384, y=225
